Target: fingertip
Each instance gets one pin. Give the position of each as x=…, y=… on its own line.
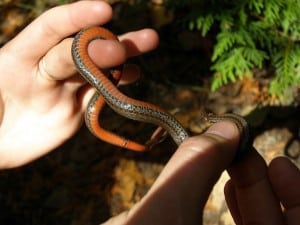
x=102, y=7
x=131, y=73
x=151, y=37
x=93, y=12
x=138, y=42
x=226, y=129
x=213, y=149
x=281, y=163
x=281, y=168
x=228, y=188
x=220, y=140
x=285, y=178
x=107, y=53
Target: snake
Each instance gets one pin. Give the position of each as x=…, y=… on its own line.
x=107, y=92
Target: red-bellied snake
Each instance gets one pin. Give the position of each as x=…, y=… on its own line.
x=107, y=92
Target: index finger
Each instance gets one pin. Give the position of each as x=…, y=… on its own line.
x=56, y=24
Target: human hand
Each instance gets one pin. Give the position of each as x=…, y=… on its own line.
x=182, y=189
x=42, y=98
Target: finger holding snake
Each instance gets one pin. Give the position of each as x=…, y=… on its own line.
x=58, y=65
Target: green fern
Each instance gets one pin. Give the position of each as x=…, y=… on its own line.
x=252, y=34
x=203, y=23
x=287, y=64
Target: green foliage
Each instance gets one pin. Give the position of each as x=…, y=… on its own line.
x=251, y=34
x=287, y=64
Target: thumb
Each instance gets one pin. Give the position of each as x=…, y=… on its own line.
x=180, y=192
